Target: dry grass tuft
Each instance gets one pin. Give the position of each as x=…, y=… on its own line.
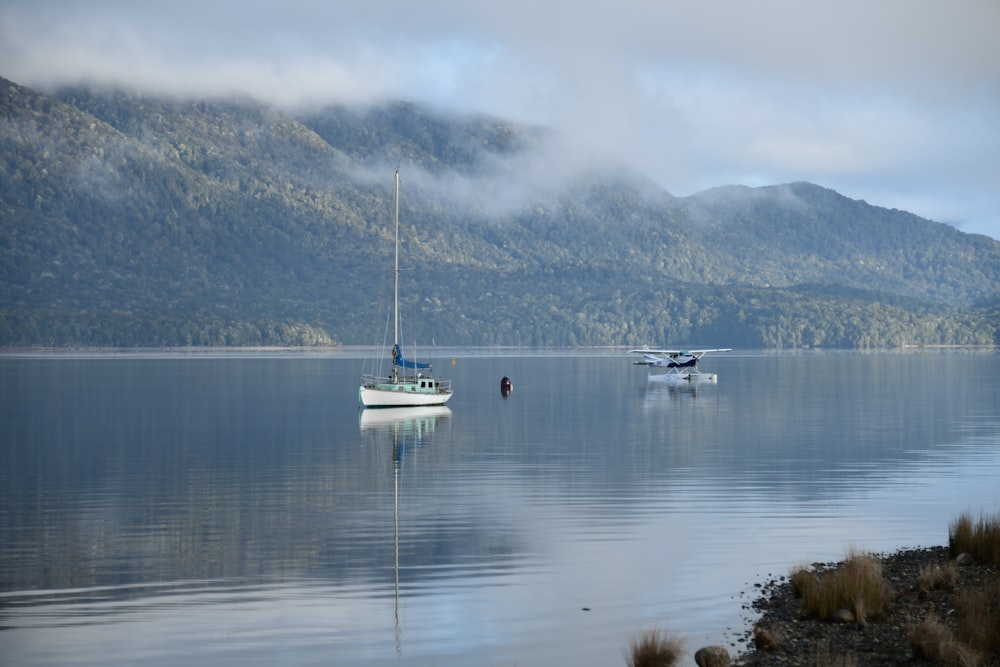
x=978, y=613
x=654, y=648
x=937, y=578
x=767, y=638
x=857, y=585
x=802, y=579
x=932, y=640
x=980, y=538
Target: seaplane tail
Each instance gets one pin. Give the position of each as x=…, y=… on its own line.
x=648, y=360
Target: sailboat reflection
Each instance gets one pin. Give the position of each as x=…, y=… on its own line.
x=406, y=428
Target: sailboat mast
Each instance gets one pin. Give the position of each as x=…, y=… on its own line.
x=395, y=305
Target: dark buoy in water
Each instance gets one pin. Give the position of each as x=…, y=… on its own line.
x=506, y=386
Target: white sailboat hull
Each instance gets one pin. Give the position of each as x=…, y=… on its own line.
x=400, y=396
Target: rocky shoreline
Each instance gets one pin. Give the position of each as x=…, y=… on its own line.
x=781, y=636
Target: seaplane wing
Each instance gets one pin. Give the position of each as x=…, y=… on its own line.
x=673, y=358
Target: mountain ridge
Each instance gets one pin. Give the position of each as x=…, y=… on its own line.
x=135, y=220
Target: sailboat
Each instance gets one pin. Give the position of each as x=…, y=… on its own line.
x=408, y=429
x=409, y=383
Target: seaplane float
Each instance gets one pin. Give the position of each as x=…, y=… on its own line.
x=680, y=365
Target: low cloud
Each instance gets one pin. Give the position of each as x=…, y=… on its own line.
x=884, y=101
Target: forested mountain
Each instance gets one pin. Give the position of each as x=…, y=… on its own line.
x=128, y=220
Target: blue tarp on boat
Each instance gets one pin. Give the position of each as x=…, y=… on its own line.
x=398, y=360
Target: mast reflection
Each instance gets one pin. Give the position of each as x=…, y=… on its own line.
x=406, y=429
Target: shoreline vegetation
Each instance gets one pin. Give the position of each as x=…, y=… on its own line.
x=922, y=606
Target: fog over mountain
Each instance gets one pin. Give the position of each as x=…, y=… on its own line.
x=897, y=103
x=135, y=219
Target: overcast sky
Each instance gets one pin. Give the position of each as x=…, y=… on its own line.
x=893, y=101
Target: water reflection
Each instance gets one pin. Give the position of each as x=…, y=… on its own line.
x=246, y=506
x=657, y=392
x=405, y=429
x=402, y=428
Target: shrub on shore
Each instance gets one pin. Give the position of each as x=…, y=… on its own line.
x=978, y=612
x=933, y=640
x=654, y=648
x=937, y=578
x=857, y=586
x=980, y=539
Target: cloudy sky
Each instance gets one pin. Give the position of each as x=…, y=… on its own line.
x=893, y=101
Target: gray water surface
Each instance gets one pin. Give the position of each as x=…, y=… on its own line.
x=233, y=509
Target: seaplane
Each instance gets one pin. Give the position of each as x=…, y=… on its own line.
x=680, y=365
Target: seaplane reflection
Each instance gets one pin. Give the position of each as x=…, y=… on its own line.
x=657, y=394
x=406, y=429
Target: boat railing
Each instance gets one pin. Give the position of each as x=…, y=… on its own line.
x=370, y=380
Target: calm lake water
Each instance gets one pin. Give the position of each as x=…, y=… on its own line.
x=235, y=509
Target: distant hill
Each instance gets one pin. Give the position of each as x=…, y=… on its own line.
x=130, y=220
